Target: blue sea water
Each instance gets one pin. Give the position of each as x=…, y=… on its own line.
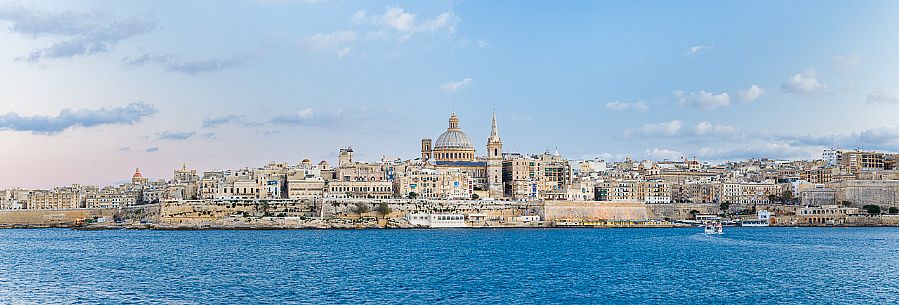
x=483, y=266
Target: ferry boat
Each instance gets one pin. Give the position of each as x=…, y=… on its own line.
x=714, y=228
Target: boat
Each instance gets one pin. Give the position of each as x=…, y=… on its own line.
x=714, y=228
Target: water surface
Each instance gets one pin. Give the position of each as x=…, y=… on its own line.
x=520, y=266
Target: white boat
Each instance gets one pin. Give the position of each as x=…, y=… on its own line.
x=714, y=228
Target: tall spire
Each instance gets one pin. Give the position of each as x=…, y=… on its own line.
x=494, y=132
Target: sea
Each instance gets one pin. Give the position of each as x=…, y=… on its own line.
x=780, y=265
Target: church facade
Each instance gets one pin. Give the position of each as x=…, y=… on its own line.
x=454, y=150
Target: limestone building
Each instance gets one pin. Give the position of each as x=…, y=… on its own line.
x=454, y=150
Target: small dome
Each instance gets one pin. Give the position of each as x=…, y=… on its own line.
x=307, y=161
x=453, y=139
x=137, y=174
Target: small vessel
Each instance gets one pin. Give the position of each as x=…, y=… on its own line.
x=714, y=228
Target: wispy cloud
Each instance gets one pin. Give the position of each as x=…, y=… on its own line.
x=637, y=105
x=702, y=99
x=404, y=24
x=209, y=122
x=880, y=138
x=879, y=96
x=308, y=117
x=152, y=149
x=453, y=86
x=170, y=63
x=672, y=128
x=750, y=94
x=68, y=118
x=677, y=128
x=694, y=50
x=805, y=83
x=663, y=154
x=336, y=41
x=73, y=33
x=174, y=135
x=775, y=150
x=845, y=63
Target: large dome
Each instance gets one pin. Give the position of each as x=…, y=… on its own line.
x=453, y=138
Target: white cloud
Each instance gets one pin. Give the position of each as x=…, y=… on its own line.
x=702, y=99
x=343, y=52
x=750, y=94
x=663, y=154
x=453, y=86
x=638, y=105
x=337, y=41
x=333, y=119
x=175, y=135
x=805, y=82
x=761, y=150
x=171, y=63
x=708, y=129
x=73, y=33
x=68, y=118
x=483, y=43
x=697, y=49
x=678, y=128
x=406, y=24
x=669, y=129
x=845, y=63
x=331, y=40
x=879, y=96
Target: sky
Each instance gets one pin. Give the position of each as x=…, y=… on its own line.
x=92, y=90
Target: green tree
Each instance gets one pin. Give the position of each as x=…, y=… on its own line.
x=362, y=208
x=475, y=196
x=872, y=209
x=383, y=209
x=413, y=195
x=693, y=213
x=787, y=196
x=724, y=206
x=894, y=210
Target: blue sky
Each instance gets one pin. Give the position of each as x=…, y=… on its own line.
x=93, y=89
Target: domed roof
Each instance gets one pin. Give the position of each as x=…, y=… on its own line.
x=453, y=138
x=137, y=174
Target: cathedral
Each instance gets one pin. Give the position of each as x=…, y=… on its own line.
x=453, y=149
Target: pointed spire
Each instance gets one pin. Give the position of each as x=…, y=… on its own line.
x=494, y=132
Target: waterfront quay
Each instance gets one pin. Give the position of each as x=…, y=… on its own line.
x=422, y=213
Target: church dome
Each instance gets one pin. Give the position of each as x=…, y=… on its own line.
x=453, y=138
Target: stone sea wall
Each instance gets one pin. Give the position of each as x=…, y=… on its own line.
x=66, y=217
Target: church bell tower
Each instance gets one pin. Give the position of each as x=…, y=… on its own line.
x=494, y=162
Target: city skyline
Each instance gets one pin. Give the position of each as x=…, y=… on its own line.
x=97, y=88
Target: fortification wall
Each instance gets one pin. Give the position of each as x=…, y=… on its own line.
x=679, y=211
x=51, y=217
x=595, y=210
